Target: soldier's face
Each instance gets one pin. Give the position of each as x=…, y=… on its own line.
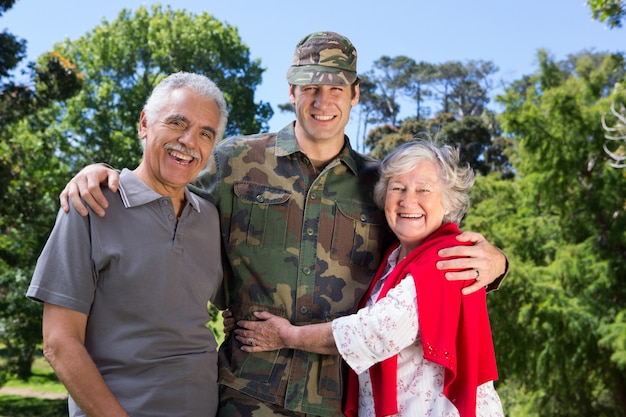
x=322, y=111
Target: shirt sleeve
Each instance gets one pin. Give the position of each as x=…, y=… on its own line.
x=495, y=285
x=379, y=331
x=64, y=274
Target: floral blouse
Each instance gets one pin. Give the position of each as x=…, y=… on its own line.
x=390, y=327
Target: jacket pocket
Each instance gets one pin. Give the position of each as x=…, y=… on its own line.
x=358, y=234
x=260, y=215
x=259, y=366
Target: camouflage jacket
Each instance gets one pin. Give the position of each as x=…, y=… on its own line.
x=299, y=244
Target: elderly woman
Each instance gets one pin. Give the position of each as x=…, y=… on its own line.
x=417, y=346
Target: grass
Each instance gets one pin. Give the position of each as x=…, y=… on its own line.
x=43, y=380
x=18, y=406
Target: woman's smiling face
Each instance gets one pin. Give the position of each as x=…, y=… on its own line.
x=414, y=205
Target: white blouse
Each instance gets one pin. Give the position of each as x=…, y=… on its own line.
x=390, y=327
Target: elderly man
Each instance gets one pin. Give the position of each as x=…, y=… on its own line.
x=125, y=296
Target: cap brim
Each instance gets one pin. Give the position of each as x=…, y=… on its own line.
x=317, y=74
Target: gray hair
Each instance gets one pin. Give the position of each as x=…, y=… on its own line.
x=199, y=84
x=456, y=179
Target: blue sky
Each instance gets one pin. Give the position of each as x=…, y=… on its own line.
x=507, y=32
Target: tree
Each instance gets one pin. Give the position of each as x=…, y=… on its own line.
x=473, y=137
x=32, y=174
x=384, y=139
x=13, y=49
x=28, y=167
x=417, y=88
x=48, y=131
x=562, y=222
x=390, y=76
x=370, y=107
x=463, y=88
x=124, y=59
x=609, y=12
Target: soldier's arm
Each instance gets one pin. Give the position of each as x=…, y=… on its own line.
x=86, y=186
x=484, y=263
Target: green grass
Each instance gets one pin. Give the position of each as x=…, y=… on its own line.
x=18, y=406
x=43, y=380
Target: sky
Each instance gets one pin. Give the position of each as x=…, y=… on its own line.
x=509, y=33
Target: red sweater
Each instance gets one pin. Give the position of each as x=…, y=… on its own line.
x=454, y=329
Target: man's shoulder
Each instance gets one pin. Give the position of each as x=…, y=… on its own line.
x=366, y=166
x=234, y=154
x=369, y=163
x=233, y=142
x=368, y=160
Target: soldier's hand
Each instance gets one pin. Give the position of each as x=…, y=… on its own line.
x=85, y=186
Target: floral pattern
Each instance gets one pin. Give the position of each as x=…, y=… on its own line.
x=390, y=327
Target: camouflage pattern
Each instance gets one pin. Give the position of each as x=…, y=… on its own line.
x=299, y=245
x=233, y=403
x=323, y=58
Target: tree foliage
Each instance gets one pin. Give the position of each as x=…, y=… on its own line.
x=462, y=90
x=389, y=76
x=124, y=59
x=28, y=167
x=610, y=12
x=559, y=323
x=82, y=104
x=548, y=192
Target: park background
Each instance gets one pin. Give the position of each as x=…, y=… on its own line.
x=526, y=89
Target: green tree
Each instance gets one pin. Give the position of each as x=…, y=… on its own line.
x=370, y=108
x=609, y=12
x=463, y=89
x=389, y=76
x=384, y=139
x=473, y=137
x=559, y=326
x=31, y=177
x=420, y=78
x=28, y=168
x=124, y=59
x=13, y=50
x=48, y=132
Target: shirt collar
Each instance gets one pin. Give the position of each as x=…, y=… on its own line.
x=135, y=192
x=286, y=144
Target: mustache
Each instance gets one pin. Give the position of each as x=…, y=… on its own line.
x=182, y=149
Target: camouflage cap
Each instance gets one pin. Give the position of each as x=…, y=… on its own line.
x=323, y=58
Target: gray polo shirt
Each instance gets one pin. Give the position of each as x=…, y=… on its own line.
x=144, y=279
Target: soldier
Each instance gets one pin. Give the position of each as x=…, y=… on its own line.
x=302, y=235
